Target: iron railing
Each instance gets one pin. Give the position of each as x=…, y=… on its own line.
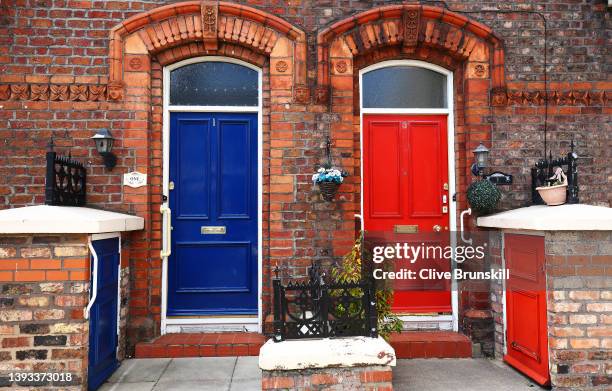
x=66, y=179
x=543, y=170
x=317, y=309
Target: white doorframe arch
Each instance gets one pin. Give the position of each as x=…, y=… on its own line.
x=449, y=111
x=212, y=323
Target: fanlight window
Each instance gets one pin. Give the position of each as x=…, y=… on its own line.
x=213, y=83
x=404, y=87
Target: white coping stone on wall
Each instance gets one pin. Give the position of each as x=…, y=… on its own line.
x=325, y=353
x=576, y=217
x=65, y=219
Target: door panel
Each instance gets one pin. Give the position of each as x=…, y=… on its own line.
x=527, y=339
x=385, y=169
x=405, y=171
x=193, y=156
x=213, y=164
x=425, y=171
x=103, y=314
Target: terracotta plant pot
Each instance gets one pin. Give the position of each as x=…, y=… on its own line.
x=328, y=190
x=553, y=195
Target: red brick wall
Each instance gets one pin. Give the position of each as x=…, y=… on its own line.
x=579, y=267
x=355, y=378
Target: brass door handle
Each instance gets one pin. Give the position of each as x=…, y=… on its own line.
x=437, y=228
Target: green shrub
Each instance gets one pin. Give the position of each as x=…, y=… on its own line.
x=349, y=271
x=483, y=196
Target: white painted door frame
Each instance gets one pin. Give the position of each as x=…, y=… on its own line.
x=221, y=322
x=451, y=163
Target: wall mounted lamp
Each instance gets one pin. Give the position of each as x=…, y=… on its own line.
x=104, y=144
x=481, y=159
x=481, y=162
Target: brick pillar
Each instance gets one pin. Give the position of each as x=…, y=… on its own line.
x=44, y=286
x=137, y=133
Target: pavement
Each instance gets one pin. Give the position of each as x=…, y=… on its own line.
x=458, y=374
x=243, y=374
x=201, y=373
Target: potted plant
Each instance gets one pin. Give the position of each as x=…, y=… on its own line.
x=328, y=179
x=555, y=190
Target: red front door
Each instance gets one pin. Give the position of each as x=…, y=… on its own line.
x=527, y=339
x=405, y=181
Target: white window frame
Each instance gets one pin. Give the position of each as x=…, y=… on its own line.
x=452, y=215
x=212, y=323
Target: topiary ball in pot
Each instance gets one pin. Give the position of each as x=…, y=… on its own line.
x=483, y=196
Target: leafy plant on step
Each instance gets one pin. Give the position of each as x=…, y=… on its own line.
x=350, y=271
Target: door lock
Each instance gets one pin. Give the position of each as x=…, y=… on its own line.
x=171, y=185
x=437, y=228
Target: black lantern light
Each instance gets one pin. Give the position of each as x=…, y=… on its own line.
x=481, y=157
x=104, y=144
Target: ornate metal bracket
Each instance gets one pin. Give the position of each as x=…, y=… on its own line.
x=544, y=169
x=66, y=180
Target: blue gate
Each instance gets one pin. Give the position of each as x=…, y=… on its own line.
x=103, y=338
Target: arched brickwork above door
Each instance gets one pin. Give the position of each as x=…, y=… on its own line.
x=194, y=28
x=412, y=31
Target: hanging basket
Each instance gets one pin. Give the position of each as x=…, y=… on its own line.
x=328, y=190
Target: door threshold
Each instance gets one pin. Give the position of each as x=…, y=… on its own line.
x=208, y=324
x=425, y=322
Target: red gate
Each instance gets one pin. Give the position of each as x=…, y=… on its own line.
x=527, y=339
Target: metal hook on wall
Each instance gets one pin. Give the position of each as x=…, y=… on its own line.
x=328, y=144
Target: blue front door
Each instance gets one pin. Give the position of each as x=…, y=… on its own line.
x=103, y=314
x=214, y=203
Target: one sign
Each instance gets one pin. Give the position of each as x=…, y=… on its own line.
x=134, y=179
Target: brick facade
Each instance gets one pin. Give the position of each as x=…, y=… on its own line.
x=70, y=67
x=580, y=308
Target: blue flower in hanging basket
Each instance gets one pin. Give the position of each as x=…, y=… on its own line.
x=329, y=180
x=331, y=174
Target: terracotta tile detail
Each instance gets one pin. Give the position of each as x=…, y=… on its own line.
x=19, y=91
x=39, y=92
x=477, y=70
x=209, y=24
x=78, y=92
x=215, y=24
x=424, y=30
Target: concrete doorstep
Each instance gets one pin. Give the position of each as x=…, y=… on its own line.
x=243, y=374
